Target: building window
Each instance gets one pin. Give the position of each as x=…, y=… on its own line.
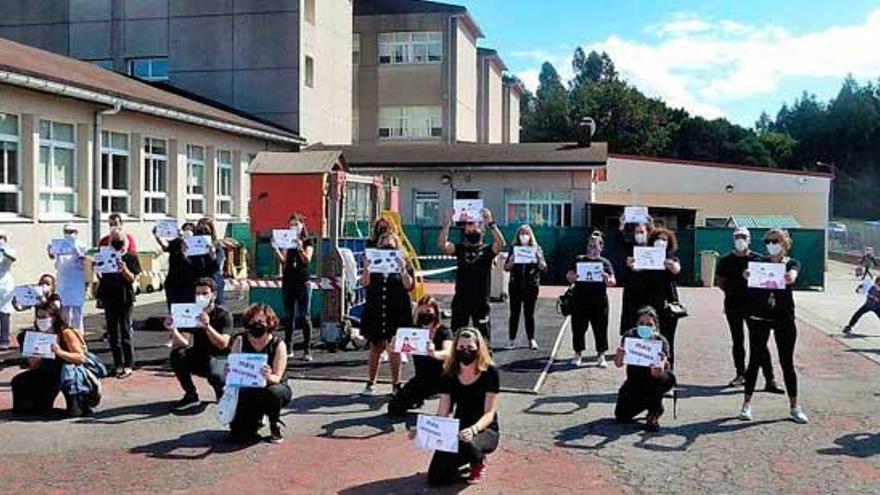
x=195, y=180
x=155, y=176
x=224, y=182
x=57, y=168
x=10, y=188
x=309, y=10
x=358, y=204
x=538, y=207
x=410, y=123
x=426, y=209
x=356, y=48
x=149, y=69
x=411, y=48
x=114, y=172
x=310, y=72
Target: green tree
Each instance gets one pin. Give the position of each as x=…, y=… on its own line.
x=548, y=120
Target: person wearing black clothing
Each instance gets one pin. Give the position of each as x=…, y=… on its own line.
x=525, y=282
x=296, y=289
x=180, y=278
x=590, y=307
x=260, y=322
x=470, y=305
x=116, y=292
x=872, y=305
x=631, y=280
x=729, y=277
x=200, y=355
x=470, y=388
x=773, y=310
x=867, y=262
x=429, y=369
x=644, y=387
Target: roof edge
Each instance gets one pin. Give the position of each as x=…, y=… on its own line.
x=732, y=166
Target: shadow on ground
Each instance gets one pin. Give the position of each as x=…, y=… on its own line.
x=193, y=446
x=861, y=445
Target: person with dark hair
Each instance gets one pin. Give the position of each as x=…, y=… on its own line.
x=590, y=307
x=524, y=285
x=872, y=305
x=260, y=323
x=114, y=221
x=470, y=305
x=867, y=262
x=296, y=288
x=205, y=226
x=181, y=276
x=632, y=279
x=198, y=351
x=429, y=369
x=116, y=292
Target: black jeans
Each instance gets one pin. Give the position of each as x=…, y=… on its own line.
x=736, y=320
x=254, y=403
x=522, y=299
x=175, y=294
x=866, y=308
x=635, y=397
x=785, y=332
x=120, y=334
x=590, y=314
x=668, y=326
x=467, y=311
x=413, y=395
x=298, y=306
x=186, y=363
x=34, y=390
x=445, y=465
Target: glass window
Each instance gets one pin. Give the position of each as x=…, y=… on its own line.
x=538, y=207
x=224, y=182
x=411, y=48
x=195, y=180
x=149, y=69
x=114, y=172
x=426, y=209
x=57, y=168
x=9, y=165
x=410, y=123
x=8, y=124
x=310, y=72
x=155, y=176
x=309, y=10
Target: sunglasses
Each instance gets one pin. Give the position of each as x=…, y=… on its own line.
x=467, y=348
x=772, y=241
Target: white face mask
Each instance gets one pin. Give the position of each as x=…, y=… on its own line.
x=47, y=289
x=71, y=236
x=524, y=238
x=774, y=249
x=740, y=244
x=640, y=238
x=203, y=301
x=660, y=243
x=187, y=234
x=44, y=324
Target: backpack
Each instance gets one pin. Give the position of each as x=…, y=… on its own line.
x=565, y=303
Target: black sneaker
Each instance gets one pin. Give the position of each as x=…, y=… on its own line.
x=773, y=388
x=396, y=388
x=276, y=432
x=188, y=401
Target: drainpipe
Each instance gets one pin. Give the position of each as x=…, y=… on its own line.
x=96, y=168
x=449, y=103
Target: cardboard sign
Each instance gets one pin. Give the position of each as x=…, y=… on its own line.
x=642, y=352
x=635, y=214
x=412, y=341
x=468, y=210
x=766, y=275
x=437, y=433
x=38, y=344
x=649, y=258
x=246, y=370
x=385, y=260
x=590, y=271
x=286, y=238
x=107, y=260
x=525, y=255
x=63, y=247
x=167, y=229
x=198, y=245
x=186, y=315
x=27, y=295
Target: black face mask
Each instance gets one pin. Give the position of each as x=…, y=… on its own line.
x=473, y=238
x=118, y=245
x=257, y=329
x=425, y=319
x=467, y=356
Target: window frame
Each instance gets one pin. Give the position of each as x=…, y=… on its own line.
x=224, y=199
x=5, y=186
x=565, y=209
x=420, y=202
x=153, y=159
x=401, y=125
x=51, y=190
x=130, y=67
x=400, y=47
x=309, y=72
x=192, y=197
x=106, y=191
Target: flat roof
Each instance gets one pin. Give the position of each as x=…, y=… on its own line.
x=734, y=166
x=398, y=7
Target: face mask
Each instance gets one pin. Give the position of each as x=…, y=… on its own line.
x=46, y=289
x=187, y=234
x=660, y=243
x=640, y=239
x=524, y=238
x=473, y=237
x=645, y=332
x=203, y=301
x=70, y=237
x=774, y=249
x=118, y=245
x=44, y=324
x=467, y=356
x=257, y=329
x=740, y=244
x=425, y=319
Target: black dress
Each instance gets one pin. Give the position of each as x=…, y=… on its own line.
x=387, y=308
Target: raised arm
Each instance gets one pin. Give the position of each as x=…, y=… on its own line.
x=443, y=243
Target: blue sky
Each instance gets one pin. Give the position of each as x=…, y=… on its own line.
x=715, y=58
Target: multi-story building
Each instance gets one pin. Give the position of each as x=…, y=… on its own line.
x=287, y=61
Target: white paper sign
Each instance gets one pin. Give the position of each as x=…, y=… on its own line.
x=167, y=229
x=766, y=275
x=468, y=210
x=525, y=255
x=437, y=433
x=385, y=260
x=106, y=260
x=37, y=344
x=198, y=245
x=186, y=315
x=635, y=214
x=590, y=271
x=246, y=370
x=27, y=295
x=649, y=258
x=63, y=247
x=286, y=238
x=642, y=352
x=412, y=341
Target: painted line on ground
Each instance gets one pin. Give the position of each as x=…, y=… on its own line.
x=552, y=358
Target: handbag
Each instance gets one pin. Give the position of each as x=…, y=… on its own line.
x=565, y=303
x=674, y=308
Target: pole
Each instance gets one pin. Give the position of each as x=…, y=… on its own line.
x=96, y=169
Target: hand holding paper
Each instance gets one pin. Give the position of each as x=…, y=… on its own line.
x=437, y=433
x=590, y=271
x=37, y=344
x=643, y=352
x=649, y=258
x=766, y=275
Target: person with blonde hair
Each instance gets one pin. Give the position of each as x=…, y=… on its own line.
x=525, y=282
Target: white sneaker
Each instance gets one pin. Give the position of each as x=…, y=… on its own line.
x=511, y=345
x=533, y=345
x=798, y=416
x=745, y=413
x=369, y=390
x=577, y=361
x=600, y=362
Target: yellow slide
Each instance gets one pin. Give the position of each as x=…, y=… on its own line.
x=393, y=218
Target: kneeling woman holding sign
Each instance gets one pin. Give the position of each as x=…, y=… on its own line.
x=262, y=387
x=470, y=387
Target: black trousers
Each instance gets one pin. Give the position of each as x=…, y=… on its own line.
x=186, y=363
x=736, y=320
x=34, y=390
x=445, y=465
x=254, y=403
x=413, y=395
x=785, y=332
x=866, y=308
x=471, y=312
x=120, y=334
x=298, y=306
x=635, y=397
x=522, y=300
x=593, y=315
x=629, y=307
x=668, y=326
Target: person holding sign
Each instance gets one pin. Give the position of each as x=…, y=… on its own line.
x=470, y=388
x=429, y=369
x=114, y=222
x=525, y=282
x=470, y=305
x=205, y=227
x=590, y=308
x=70, y=270
x=386, y=309
x=296, y=289
x=645, y=386
x=773, y=310
x=45, y=291
x=7, y=285
x=181, y=276
x=260, y=323
x=199, y=350
x=631, y=235
x=116, y=292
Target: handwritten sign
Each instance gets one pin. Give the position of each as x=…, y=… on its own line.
x=635, y=214
x=167, y=229
x=649, y=258
x=198, y=245
x=525, y=255
x=468, y=210
x=642, y=352
x=766, y=275
x=412, y=341
x=27, y=295
x=286, y=238
x=590, y=271
x=186, y=315
x=437, y=433
x=385, y=260
x=107, y=260
x=246, y=370
x=63, y=247
x=37, y=344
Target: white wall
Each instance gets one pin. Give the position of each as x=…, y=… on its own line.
x=465, y=84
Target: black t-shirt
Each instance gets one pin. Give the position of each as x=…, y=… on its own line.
x=113, y=289
x=295, y=271
x=469, y=401
x=524, y=275
x=657, y=286
x=591, y=291
x=732, y=268
x=774, y=303
x=474, y=269
x=642, y=373
x=221, y=321
x=181, y=272
x=427, y=367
